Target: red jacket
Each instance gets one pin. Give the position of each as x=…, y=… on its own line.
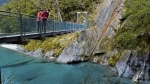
x=39, y=14
x=45, y=15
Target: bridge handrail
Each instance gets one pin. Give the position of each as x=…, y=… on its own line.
x=21, y=23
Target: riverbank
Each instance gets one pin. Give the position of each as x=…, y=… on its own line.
x=19, y=48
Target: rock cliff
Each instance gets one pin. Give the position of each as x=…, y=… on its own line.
x=95, y=45
x=89, y=40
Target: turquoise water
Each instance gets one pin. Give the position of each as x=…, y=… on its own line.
x=17, y=68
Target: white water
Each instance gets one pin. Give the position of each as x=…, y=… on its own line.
x=11, y=46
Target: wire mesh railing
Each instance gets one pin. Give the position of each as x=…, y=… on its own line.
x=15, y=23
x=53, y=25
x=9, y=24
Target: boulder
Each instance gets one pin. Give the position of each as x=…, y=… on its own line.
x=38, y=53
x=49, y=56
x=72, y=53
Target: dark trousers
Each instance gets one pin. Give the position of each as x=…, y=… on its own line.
x=38, y=26
x=44, y=25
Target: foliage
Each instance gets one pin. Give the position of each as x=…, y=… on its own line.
x=135, y=32
x=57, y=43
x=20, y=6
x=5, y=22
x=33, y=45
x=68, y=8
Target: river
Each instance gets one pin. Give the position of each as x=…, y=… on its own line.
x=18, y=68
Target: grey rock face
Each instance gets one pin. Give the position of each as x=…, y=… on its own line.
x=82, y=47
x=128, y=72
x=121, y=65
x=104, y=13
x=108, y=55
x=86, y=41
x=135, y=67
x=38, y=53
x=142, y=74
x=71, y=53
x=108, y=19
x=49, y=56
x=90, y=40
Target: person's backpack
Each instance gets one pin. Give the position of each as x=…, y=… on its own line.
x=45, y=14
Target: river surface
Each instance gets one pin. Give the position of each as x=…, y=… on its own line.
x=18, y=68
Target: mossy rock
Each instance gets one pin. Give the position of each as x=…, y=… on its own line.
x=114, y=59
x=57, y=43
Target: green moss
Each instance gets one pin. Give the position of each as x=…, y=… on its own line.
x=57, y=43
x=99, y=59
x=33, y=45
x=90, y=58
x=107, y=44
x=114, y=59
x=57, y=52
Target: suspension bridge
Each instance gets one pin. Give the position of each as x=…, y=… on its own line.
x=16, y=27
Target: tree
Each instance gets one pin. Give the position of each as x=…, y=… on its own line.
x=68, y=8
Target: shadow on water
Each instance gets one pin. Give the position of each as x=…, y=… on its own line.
x=17, y=64
x=105, y=79
x=30, y=79
x=14, y=65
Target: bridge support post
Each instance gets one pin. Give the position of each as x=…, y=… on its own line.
x=53, y=26
x=21, y=29
x=82, y=18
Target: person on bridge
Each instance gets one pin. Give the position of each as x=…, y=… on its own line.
x=45, y=15
x=39, y=14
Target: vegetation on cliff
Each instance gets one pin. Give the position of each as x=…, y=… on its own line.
x=56, y=44
x=135, y=31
